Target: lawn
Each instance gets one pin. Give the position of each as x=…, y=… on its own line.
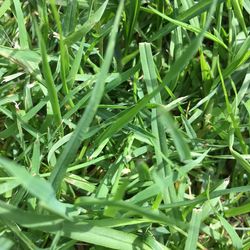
x=124, y=124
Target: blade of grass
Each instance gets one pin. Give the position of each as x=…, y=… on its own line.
x=23, y=35
x=177, y=67
x=194, y=229
x=236, y=211
x=239, y=15
x=72, y=146
x=85, y=28
x=52, y=92
x=179, y=141
x=36, y=186
x=4, y=7
x=189, y=27
x=84, y=232
x=5, y=243
x=194, y=11
x=237, y=242
x=64, y=57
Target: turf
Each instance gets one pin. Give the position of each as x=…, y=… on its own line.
x=124, y=124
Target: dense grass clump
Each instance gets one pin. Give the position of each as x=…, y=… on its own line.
x=124, y=124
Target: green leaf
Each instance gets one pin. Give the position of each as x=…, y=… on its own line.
x=237, y=242
x=49, y=81
x=194, y=229
x=190, y=27
x=80, y=231
x=23, y=35
x=36, y=186
x=236, y=211
x=179, y=141
x=4, y=7
x=72, y=146
x=5, y=243
x=89, y=24
x=27, y=59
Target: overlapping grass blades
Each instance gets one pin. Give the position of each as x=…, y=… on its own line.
x=72, y=146
x=146, y=147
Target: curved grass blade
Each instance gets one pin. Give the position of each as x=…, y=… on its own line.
x=203, y=198
x=189, y=27
x=147, y=213
x=194, y=11
x=239, y=15
x=176, y=68
x=84, y=232
x=6, y=244
x=179, y=141
x=64, y=56
x=237, y=242
x=89, y=24
x=4, y=7
x=36, y=186
x=27, y=59
x=72, y=146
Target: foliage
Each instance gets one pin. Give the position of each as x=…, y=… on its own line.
x=124, y=124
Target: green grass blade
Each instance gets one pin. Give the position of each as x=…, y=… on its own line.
x=152, y=215
x=72, y=146
x=236, y=211
x=194, y=11
x=64, y=57
x=190, y=51
x=194, y=229
x=239, y=15
x=23, y=35
x=50, y=85
x=179, y=140
x=75, y=67
x=27, y=59
x=6, y=244
x=36, y=186
x=150, y=78
x=4, y=7
x=89, y=24
x=237, y=242
x=83, y=232
x=189, y=27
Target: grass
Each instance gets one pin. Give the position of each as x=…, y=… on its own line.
x=124, y=124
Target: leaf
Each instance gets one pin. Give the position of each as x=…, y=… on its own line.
x=5, y=243
x=23, y=35
x=179, y=141
x=237, y=242
x=27, y=59
x=49, y=81
x=36, y=186
x=236, y=211
x=4, y=7
x=194, y=229
x=80, y=231
x=89, y=24
x=190, y=27
x=72, y=146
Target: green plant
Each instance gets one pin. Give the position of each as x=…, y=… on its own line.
x=124, y=124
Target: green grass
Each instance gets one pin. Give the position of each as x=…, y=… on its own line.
x=124, y=124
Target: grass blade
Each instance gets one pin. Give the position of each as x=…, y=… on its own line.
x=194, y=229
x=23, y=35
x=50, y=85
x=36, y=186
x=72, y=146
